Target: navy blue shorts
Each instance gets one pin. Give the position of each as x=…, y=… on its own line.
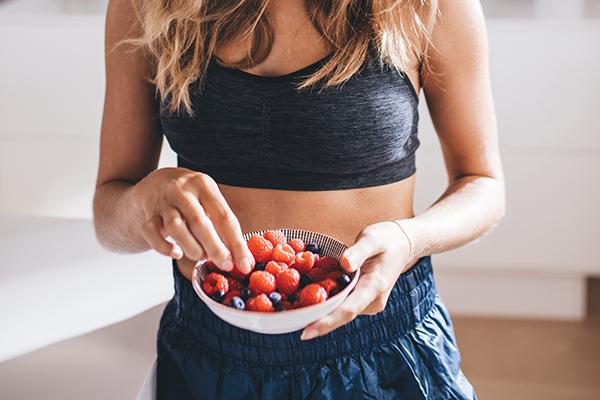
x=407, y=351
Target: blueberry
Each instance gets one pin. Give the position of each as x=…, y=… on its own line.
x=260, y=266
x=292, y=298
x=218, y=296
x=343, y=280
x=279, y=308
x=237, y=303
x=313, y=248
x=246, y=294
x=305, y=280
x=275, y=298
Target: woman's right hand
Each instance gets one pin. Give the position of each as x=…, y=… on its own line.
x=189, y=208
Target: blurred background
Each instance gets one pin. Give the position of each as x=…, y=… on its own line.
x=80, y=323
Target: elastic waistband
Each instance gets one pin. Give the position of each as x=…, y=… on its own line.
x=410, y=301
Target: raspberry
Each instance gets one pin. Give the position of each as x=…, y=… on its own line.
x=262, y=282
x=283, y=253
x=212, y=267
x=304, y=262
x=233, y=284
x=230, y=296
x=275, y=237
x=262, y=304
x=327, y=263
x=260, y=248
x=286, y=305
x=213, y=282
x=313, y=294
x=333, y=275
x=250, y=303
x=317, y=274
x=298, y=245
x=330, y=286
x=237, y=274
x=275, y=268
x=288, y=281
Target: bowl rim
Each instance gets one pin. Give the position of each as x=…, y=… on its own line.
x=206, y=298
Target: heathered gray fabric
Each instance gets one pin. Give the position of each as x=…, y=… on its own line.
x=260, y=132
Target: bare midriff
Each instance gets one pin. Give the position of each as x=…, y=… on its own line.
x=340, y=214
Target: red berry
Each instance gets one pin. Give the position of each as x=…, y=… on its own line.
x=313, y=294
x=286, y=305
x=330, y=286
x=231, y=295
x=327, y=263
x=212, y=267
x=275, y=267
x=234, y=284
x=333, y=275
x=288, y=281
x=298, y=245
x=250, y=303
x=260, y=248
x=262, y=303
x=283, y=253
x=237, y=274
x=317, y=274
x=215, y=281
x=304, y=262
x=262, y=282
x=275, y=237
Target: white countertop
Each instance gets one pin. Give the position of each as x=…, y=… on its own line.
x=57, y=282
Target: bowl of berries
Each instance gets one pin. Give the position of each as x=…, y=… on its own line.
x=296, y=280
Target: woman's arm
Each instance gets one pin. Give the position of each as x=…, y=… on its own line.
x=460, y=102
x=136, y=207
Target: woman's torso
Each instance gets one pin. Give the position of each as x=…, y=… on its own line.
x=339, y=213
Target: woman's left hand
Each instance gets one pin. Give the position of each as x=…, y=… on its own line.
x=382, y=252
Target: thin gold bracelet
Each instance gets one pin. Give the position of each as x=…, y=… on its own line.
x=407, y=238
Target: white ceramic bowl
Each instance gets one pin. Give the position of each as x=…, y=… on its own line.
x=284, y=321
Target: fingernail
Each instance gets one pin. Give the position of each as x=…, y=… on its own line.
x=227, y=265
x=309, y=334
x=176, y=252
x=244, y=265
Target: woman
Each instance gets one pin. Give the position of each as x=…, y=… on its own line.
x=300, y=114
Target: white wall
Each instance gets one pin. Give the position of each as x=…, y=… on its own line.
x=547, y=92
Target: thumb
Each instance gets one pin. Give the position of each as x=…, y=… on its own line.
x=365, y=247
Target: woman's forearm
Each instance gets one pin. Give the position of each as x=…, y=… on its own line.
x=471, y=206
x=116, y=220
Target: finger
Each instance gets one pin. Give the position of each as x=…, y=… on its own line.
x=365, y=247
x=203, y=232
x=361, y=297
x=153, y=231
x=227, y=226
x=176, y=227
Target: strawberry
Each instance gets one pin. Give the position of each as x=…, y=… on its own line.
x=275, y=237
x=298, y=245
x=234, y=284
x=313, y=294
x=214, y=282
x=275, y=267
x=283, y=253
x=260, y=248
x=262, y=282
x=288, y=281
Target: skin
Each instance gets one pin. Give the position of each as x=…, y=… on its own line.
x=137, y=206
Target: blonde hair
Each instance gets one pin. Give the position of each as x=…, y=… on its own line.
x=184, y=35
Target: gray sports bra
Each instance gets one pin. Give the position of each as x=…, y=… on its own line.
x=261, y=132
